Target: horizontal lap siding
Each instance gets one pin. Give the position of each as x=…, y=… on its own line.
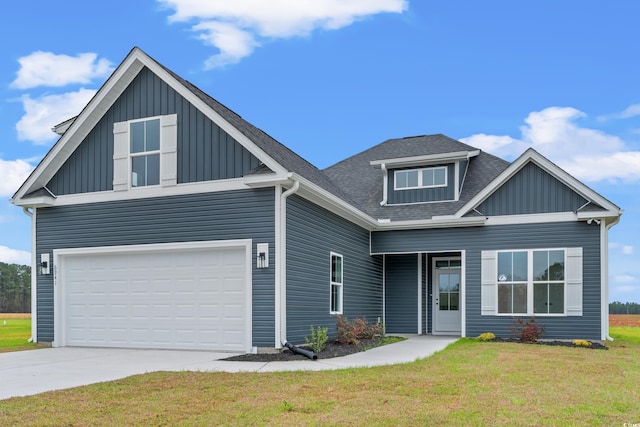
x=246, y=214
x=401, y=293
x=423, y=194
x=312, y=234
x=205, y=151
x=530, y=236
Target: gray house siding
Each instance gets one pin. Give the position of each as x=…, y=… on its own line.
x=245, y=214
x=476, y=239
x=423, y=194
x=312, y=234
x=531, y=191
x=401, y=293
x=205, y=151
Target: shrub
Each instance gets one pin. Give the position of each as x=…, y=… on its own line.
x=527, y=331
x=360, y=329
x=582, y=343
x=487, y=336
x=319, y=338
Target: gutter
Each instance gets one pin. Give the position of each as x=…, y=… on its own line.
x=281, y=282
x=34, y=280
x=604, y=259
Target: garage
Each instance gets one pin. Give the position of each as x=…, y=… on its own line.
x=169, y=296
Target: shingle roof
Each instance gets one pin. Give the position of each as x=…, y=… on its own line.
x=363, y=182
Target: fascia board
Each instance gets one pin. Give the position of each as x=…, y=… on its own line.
x=265, y=180
x=426, y=159
x=431, y=223
x=549, y=167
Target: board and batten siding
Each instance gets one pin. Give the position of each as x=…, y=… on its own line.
x=531, y=191
x=421, y=195
x=401, y=293
x=505, y=237
x=244, y=214
x=312, y=234
x=205, y=151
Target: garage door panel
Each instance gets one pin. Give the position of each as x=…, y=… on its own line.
x=191, y=299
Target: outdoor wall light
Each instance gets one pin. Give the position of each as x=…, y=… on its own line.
x=45, y=264
x=262, y=254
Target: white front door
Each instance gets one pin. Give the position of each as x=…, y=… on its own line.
x=447, y=275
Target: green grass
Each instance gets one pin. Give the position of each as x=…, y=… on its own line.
x=469, y=383
x=625, y=333
x=14, y=334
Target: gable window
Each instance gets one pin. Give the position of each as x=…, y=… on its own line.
x=336, y=284
x=144, y=137
x=145, y=152
x=532, y=282
x=420, y=178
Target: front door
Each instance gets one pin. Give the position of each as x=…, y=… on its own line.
x=446, y=296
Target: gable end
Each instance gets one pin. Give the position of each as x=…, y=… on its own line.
x=531, y=190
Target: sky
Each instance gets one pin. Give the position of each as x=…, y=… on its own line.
x=330, y=78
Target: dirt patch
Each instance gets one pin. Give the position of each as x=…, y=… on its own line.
x=15, y=316
x=594, y=345
x=632, y=320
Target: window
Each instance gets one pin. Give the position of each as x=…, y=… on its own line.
x=420, y=178
x=144, y=149
x=145, y=153
x=531, y=282
x=336, y=283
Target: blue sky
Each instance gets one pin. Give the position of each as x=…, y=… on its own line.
x=330, y=78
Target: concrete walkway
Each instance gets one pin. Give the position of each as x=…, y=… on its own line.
x=25, y=373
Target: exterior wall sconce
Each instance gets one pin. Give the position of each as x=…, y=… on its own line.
x=45, y=264
x=262, y=255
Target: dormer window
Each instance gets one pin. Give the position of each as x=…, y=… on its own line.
x=411, y=179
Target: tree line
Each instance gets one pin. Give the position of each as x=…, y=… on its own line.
x=15, y=288
x=624, y=308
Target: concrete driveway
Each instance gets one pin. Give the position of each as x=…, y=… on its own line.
x=30, y=372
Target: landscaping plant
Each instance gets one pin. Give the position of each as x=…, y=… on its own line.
x=527, y=330
x=319, y=338
x=360, y=329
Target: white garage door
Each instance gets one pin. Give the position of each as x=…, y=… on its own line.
x=185, y=299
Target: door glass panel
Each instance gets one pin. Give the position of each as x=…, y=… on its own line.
x=454, y=282
x=444, y=301
x=444, y=282
x=454, y=301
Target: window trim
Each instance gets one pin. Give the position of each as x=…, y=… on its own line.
x=530, y=283
x=339, y=285
x=420, y=173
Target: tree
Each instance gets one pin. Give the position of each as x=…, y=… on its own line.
x=624, y=308
x=15, y=288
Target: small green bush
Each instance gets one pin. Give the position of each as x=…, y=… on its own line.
x=319, y=338
x=527, y=331
x=487, y=336
x=582, y=343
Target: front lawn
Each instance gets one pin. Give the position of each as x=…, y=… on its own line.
x=15, y=331
x=469, y=383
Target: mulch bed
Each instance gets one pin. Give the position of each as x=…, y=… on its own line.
x=594, y=345
x=333, y=349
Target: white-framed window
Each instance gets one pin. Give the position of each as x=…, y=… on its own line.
x=145, y=152
x=336, y=283
x=532, y=282
x=410, y=179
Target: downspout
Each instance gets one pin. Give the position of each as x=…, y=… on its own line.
x=282, y=264
x=34, y=279
x=604, y=256
x=385, y=184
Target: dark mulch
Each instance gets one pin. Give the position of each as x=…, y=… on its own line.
x=333, y=349
x=594, y=345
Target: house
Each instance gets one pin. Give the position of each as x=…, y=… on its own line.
x=162, y=219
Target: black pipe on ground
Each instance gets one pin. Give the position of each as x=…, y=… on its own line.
x=310, y=354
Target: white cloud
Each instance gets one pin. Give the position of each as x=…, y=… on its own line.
x=630, y=111
x=588, y=154
x=624, y=278
x=627, y=250
x=625, y=289
x=49, y=69
x=624, y=249
x=14, y=256
x=42, y=113
x=13, y=173
x=235, y=27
